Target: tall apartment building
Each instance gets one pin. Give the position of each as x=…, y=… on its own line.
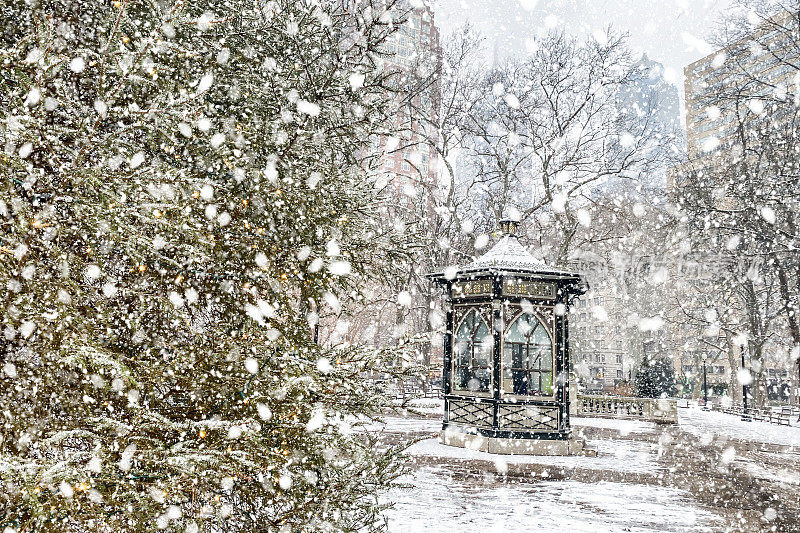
x=415, y=53
x=597, y=340
x=724, y=90
x=721, y=85
x=407, y=166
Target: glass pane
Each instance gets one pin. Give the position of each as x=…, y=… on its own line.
x=462, y=349
x=483, y=351
x=527, y=361
x=522, y=328
x=540, y=336
x=472, y=362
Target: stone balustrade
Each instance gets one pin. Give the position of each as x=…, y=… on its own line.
x=650, y=409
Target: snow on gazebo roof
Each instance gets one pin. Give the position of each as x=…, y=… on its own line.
x=506, y=253
x=506, y=256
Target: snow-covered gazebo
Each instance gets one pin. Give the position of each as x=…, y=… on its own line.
x=506, y=352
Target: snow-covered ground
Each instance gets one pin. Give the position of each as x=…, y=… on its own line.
x=621, y=489
x=427, y=405
x=783, y=474
x=620, y=455
x=703, y=424
x=395, y=424
x=715, y=425
x=729, y=432
x=438, y=500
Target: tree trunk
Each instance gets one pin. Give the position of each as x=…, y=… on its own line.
x=791, y=310
x=734, y=360
x=758, y=388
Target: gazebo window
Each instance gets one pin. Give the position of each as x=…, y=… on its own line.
x=527, y=358
x=472, y=361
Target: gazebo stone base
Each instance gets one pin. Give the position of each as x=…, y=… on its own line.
x=509, y=446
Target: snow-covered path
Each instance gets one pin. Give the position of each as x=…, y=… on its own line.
x=442, y=500
x=707, y=473
x=449, y=488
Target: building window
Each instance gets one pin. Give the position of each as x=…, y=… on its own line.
x=619, y=373
x=473, y=355
x=527, y=358
x=619, y=359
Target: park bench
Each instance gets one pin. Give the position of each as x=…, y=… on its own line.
x=733, y=409
x=781, y=415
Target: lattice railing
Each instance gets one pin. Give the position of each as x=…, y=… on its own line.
x=528, y=417
x=470, y=412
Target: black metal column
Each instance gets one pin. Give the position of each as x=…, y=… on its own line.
x=565, y=371
x=745, y=393
x=497, y=332
x=447, y=356
x=705, y=387
x=558, y=370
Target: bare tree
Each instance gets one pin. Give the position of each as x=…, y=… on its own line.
x=548, y=133
x=743, y=195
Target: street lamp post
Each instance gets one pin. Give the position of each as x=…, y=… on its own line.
x=705, y=387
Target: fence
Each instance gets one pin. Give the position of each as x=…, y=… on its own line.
x=404, y=391
x=775, y=415
x=649, y=409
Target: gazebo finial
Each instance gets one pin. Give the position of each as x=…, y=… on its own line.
x=510, y=222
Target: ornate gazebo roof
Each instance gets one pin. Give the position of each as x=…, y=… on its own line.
x=507, y=256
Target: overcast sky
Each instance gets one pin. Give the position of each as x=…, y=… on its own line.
x=672, y=32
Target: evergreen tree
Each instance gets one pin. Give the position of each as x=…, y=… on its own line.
x=655, y=378
x=184, y=192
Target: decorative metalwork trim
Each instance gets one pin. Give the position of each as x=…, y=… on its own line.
x=531, y=289
x=472, y=288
